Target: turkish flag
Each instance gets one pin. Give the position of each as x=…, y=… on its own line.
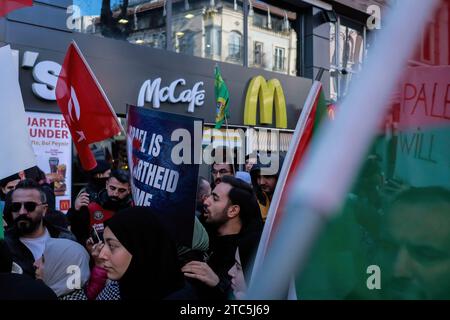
x=84, y=106
x=7, y=6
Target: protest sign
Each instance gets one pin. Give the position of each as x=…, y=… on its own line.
x=163, y=156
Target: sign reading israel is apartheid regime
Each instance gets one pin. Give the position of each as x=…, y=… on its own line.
x=163, y=151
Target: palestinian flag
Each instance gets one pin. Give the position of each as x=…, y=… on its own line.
x=391, y=240
x=313, y=112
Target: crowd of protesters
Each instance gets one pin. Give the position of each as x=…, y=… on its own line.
x=105, y=248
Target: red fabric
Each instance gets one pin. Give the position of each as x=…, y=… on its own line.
x=98, y=216
x=296, y=161
x=85, y=108
x=96, y=282
x=7, y=6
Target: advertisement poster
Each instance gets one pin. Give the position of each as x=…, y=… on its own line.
x=163, y=154
x=52, y=145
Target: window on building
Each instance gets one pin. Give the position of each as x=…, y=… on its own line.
x=209, y=22
x=235, y=46
x=184, y=42
x=347, y=50
x=279, y=59
x=258, y=53
x=135, y=21
x=213, y=43
x=215, y=28
x=272, y=26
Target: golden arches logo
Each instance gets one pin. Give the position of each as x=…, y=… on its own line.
x=267, y=93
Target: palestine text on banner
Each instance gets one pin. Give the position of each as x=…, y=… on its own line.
x=84, y=105
x=162, y=159
x=17, y=153
x=7, y=6
x=424, y=128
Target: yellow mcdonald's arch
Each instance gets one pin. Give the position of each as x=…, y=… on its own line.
x=267, y=93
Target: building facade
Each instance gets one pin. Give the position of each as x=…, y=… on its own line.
x=134, y=47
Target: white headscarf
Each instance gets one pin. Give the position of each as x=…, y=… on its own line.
x=64, y=261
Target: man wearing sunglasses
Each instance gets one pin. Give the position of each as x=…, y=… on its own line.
x=90, y=213
x=29, y=232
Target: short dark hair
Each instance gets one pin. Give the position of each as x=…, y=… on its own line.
x=242, y=194
x=29, y=184
x=121, y=175
x=35, y=173
x=5, y=181
x=223, y=154
x=202, y=181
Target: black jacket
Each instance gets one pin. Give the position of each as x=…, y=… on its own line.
x=22, y=287
x=80, y=223
x=22, y=255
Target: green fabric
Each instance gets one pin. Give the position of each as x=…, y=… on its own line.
x=2, y=205
x=401, y=228
x=321, y=110
x=222, y=98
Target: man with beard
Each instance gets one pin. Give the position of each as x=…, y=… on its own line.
x=264, y=184
x=88, y=215
x=97, y=179
x=415, y=245
x=27, y=237
x=233, y=213
x=223, y=165
x=219, y=170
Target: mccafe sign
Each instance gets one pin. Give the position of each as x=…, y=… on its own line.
x=45, y=75
x=152, y=91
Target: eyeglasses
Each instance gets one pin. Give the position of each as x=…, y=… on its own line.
x=30, y=206
x=221, y=171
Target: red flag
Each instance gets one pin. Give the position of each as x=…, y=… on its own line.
x=313, y=111
x=84, y=106
x=7, y=6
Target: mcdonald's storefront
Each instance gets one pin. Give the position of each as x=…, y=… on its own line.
x=164, y=80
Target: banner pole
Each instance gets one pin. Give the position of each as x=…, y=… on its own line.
x=226, y=138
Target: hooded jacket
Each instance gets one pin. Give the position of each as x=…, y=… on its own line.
x=263, y=198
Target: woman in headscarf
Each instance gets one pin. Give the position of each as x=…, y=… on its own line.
x=140, y=256
x=64, y=267
x=19, y=286
x=240, y=273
